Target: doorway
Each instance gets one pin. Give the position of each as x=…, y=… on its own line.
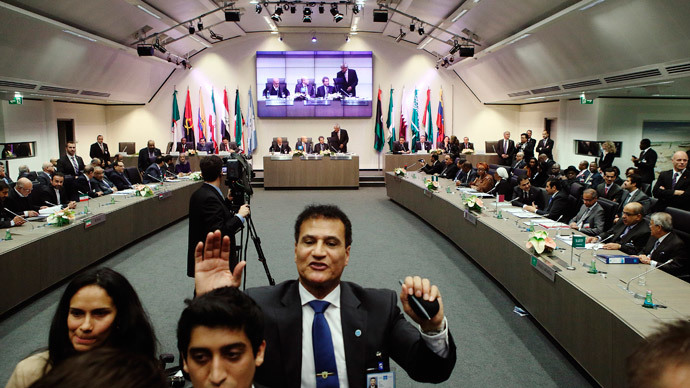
x=65, y=133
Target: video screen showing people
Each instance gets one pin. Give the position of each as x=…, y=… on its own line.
x=314, y=83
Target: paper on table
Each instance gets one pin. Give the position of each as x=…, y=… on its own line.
x=124, y=192
x=568, y=240
x=49, y=210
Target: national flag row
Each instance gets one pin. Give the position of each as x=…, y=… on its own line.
x=409, y=130
x=208, y=122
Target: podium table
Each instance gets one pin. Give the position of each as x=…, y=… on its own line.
x=324, y=173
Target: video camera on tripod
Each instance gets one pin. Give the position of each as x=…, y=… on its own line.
x=238, y=177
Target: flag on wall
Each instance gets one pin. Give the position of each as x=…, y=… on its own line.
x=203, y=131
x=390, y=123
x=429, y=126
x=238, y=122
x=213, y=124
x=251, y=125
x=225, y=125
x=440, y=122
x=403, y=120
x=378, y=129
x=188, y=120
x=175, y=117
x=414, y=125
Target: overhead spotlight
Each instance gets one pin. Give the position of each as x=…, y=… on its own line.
x=159, y=47
x=451, y=59
x=293, y=9
x=169, y=59
x=200, y=25
x=455, y=48
x=184, y=64
x=279, y=10
x=306, y=19
x=313, y=39
x=306, y=15
x=355, y=9
x=420, y=30
x=258, y=8
x=400, y=36
x=412, y=25
x=286, y=6
x=214, y=35
x=321, y=8
x=191, y=28
x=306, y=11
x=280, y=38
x=337, y=16
x=276, y=17
x=347, y=38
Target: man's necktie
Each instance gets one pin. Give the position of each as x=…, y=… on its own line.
x=675, y=180
x=126, y=180
x=584, y=217
x=550, y=200
x=324, y=356
x=606, y=190
x=102, y=150
x=656, y=245
x=76, y=166
x=627, y=229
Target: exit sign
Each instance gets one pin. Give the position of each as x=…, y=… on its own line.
x=585, y=101
x=16, y=101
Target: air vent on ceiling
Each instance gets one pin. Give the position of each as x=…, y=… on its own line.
x=633, y=76
x=518, y=94
x=97, y=94
x=582, y=84
x=675, y=69
x=17, y=85
x=546, y=90
x=59, y=90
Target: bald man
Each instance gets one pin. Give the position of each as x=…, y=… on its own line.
x=276, y=90
x=673, y=186
x=628, y=235
x=18, y=200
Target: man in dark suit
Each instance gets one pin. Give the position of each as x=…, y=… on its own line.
x=531, y=143
x=526, y=195
x=101, y=182
x=609, y=189
x=324, y=90
x=557, y=205
x=119, y=178
x=450, y=170
x=304, y=145
x=84, y=186
x=275, y=89
x=422, y=144
x=154, y=172
x=320, y=146
x=519, y=161
x=100, y=150
x=593, y=178
x=401, y=146
x=53, y=194
x=373, y=327
x=209, y=210
x=673, y=186
x=523, y=147
x=304, y=90
x=646, y=162
x=545, y=145
x=664, y=245
x=339, y=138
x=205, y=146
x=466, y=145
x=434, y=166
x=46, y=174
x=279, y=146
x=546, y=164
x=629, y=235
x=148, y=155
x=505, y=148
x=183, y=146
x=7, y=219
x=466, y=174
x=590, y=219
x=70, y=163
x=18, y=200
x=349, y=76
x=632, y=193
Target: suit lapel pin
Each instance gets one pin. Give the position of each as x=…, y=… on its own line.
x=358, y=333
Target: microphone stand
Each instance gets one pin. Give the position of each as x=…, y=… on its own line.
x=158, y=180
x=627, y=285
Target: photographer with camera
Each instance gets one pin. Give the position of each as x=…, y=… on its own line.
x=209, y=210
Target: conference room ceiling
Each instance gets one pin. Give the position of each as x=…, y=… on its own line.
x=526, y=51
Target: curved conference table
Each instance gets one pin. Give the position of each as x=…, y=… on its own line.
x=595, y=319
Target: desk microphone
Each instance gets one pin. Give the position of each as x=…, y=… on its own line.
x=124, y=149
x=87, y=196
x=494, y=147
x=332, y=148
x=412, y=165
x=627, y=285
x=17, y=215
x=157, y=180
x=348, y=94
x=558, y=233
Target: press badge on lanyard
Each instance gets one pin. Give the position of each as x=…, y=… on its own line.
x=381, y=380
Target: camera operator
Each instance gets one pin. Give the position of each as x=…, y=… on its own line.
x=208, y=211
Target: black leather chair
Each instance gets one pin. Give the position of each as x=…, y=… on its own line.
x=646, y=188
x=610, y=208
x=493, y=166
x=572, y=208
x=681, y=226
x=519, y=171
x=133, y=174
x=576, y=189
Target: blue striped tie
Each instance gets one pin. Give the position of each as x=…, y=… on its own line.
x=324, y=356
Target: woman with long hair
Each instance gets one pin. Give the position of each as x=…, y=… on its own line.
x=608, y=153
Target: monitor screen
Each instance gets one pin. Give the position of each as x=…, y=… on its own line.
x=314, y=83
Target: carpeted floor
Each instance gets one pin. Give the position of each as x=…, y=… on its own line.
x=496, y=348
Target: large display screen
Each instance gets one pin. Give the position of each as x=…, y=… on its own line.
x=314, y=83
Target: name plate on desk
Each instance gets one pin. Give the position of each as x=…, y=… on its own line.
x=546, y=269
x=470, y=217
x=94, y=220
x=341, y=157
x=164, y=195
x=354, y=102
x=279, y=102
x=281, y=157
x=318, y=101
x=311, y=157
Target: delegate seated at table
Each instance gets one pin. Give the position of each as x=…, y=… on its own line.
x=280, y=147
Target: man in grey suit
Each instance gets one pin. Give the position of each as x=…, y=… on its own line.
x=101, y=182
x=304, y=145
x=372, y=327
x=590, y=219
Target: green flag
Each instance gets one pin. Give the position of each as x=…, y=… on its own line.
x=427, y=114
x=390, y=123
x=414, y=125
x=175, y=112
x=238, y=122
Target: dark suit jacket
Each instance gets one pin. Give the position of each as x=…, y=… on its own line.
x=95, y=152
x=19, y=204
x=310, y=91
x=615, y=192
x=399, y=147
x=344, y=138
x=435, y=168
x=83, y=184
x=43, y=179
x=106, y=188
x=556, y=207
x=593, y=180
x=351, y=81
x=606, y=161
x=5, y=217
x=283, y=148
x=155, y=171
x=449, y=172
x=518, y=164
x=633, y=242
x=639, y=196
x=645, y=163
x=144, y=160
x=318, y=147
x=546, y=149
x=466, y=177
x=595, y=219
x=533, y=196
x=418, y=146
x=671, y=248
x=510, y=151
x=666, y=196
x=120, y=181
x=282, y=91
x=47, y=193
x=322, y=92
x=209, y=211
x=65, y=166
x=502, y=188
x=305, y=147
x=208, y=147
x=470, y=146
x=529, y=148
x=184, y=147
x=373, y=313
